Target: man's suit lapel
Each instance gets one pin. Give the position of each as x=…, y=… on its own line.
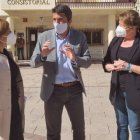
x=52, y=56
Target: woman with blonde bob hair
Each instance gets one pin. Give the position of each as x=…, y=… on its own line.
x=11, y=90
x=123, y=60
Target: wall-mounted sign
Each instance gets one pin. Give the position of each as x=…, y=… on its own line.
x=32, y=37
x=27, y=4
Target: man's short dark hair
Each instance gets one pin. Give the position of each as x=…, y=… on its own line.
x=63, y=9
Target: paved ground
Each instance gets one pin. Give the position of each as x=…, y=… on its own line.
x=99, y=114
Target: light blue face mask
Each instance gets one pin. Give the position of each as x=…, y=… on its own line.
x=120, y=31
x=60, y=28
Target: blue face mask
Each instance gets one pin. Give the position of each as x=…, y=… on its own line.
x=120, y=31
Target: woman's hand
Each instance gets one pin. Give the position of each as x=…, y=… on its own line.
x=120, y=65
x=109, y=67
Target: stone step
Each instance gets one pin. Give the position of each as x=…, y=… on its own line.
x=23, y=62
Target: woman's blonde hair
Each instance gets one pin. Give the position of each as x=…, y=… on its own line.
x=4, y=27
x=130, y=18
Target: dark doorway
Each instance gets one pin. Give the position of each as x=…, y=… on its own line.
x=31, y=34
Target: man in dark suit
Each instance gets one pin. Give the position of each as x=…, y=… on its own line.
x=62, y=51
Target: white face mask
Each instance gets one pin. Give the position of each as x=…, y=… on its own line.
x=11, y=39
x=60, y=28
x=120, y=31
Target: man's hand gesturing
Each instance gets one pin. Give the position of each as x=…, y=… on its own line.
x=45, y=49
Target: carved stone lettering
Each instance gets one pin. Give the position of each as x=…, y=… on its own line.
x=28, y=2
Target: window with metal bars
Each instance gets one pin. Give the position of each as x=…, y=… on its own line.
x=94, y=36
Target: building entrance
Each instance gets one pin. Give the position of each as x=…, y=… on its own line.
x=31, y=37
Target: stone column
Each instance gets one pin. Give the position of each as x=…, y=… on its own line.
x=111, y=27
x=11, y=48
